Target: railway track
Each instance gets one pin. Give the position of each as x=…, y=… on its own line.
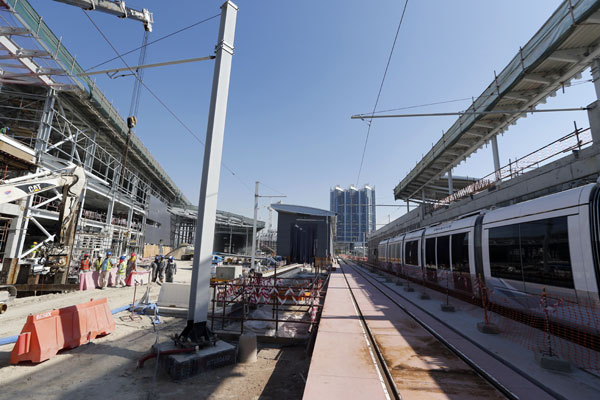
x=421, y=357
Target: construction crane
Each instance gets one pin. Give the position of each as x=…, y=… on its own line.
x=135, y=101
x=119, y=9
x=114, y=7
x=57, y=253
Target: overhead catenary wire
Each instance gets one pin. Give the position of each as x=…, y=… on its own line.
x=269, y=187
x=161, y=102
x=154, y=41
x=419, y=106
x=380, y=89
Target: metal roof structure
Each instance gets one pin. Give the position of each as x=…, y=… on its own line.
x=559, y=51
x=438, y=189
x=223, y=217
x=293, y=209
x=31, y=54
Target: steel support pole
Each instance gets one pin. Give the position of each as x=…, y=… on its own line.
x=253, y=254
x=209, y=187
x=496, y=157
x=595, y=70
x=450, y=183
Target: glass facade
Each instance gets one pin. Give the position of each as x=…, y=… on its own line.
x=355, y=209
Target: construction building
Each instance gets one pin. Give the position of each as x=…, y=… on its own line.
x=53, y=117
x=233, y=232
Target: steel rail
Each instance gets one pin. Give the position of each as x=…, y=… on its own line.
x=493, y=381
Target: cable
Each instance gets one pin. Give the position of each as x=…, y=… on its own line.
x=420, y=105
x=154, y=41
x=269, y=187
x=380, y=89
x=165, y=106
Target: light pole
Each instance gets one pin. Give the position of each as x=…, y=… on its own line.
x=253, y=255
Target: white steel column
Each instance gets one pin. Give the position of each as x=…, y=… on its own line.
x=209, y=187
x=496, y=157
x=450, y=183
x=253, y=254
x=595, y=70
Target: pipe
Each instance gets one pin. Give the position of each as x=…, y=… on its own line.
x=8, y=340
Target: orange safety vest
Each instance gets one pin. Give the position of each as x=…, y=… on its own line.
x=85, y=265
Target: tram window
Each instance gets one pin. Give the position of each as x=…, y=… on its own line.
x=443, y=252
x=430, y=253
x=505, y=260
x=411, y=252
x=545, y=252
x=460, y=252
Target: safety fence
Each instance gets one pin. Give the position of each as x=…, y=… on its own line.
x=566, y=326
x=233, y=301
x=572, y=142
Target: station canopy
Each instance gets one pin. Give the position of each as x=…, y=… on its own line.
x=560, y=51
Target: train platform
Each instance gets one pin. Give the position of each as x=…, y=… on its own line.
x=374, y=343
x=343, y=365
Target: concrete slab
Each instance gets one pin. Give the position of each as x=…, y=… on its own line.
x=174, y=295
x=185, y=365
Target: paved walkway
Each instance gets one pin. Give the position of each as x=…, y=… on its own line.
x=342, y=365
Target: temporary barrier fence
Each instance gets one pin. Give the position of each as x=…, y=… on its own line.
x=563, y=326
x=281, y=294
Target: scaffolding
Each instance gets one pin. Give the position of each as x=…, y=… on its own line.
x=56, y=118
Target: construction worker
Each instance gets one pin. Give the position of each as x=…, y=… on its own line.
x=4, y=130
x=34, y=252
x=105, y=270
x=170, y=269
x=155, y=267
x=98, y=263
x=131, y=264
x=85, y=264
x=122, y=267
x=161, y=269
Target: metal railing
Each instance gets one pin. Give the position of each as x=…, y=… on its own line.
x=574, y=141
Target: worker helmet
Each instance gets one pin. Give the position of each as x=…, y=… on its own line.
x=35, y=243
x=86, y=255
x=171, y=258
x=132, y=254
x=122, y=257
x=108, y=253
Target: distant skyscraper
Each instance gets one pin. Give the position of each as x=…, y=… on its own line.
x=356, y=213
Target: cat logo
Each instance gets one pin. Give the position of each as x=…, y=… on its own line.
x=34, y=188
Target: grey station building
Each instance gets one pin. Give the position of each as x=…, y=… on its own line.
x=305, y=234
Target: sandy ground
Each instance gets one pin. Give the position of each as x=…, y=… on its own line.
x=106, y=368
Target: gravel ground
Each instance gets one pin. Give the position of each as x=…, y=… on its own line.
x=106, y=367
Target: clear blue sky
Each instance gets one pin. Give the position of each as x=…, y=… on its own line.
x=301, y=69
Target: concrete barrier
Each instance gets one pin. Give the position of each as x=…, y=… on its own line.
x=174, y=295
